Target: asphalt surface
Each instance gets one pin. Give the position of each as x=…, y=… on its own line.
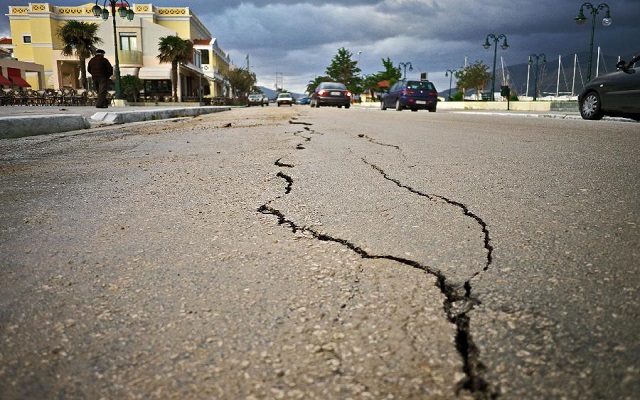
x=21, y=121
x=329, y=254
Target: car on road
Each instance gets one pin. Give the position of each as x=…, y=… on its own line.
x=258, y=100
x=412, y=94
x=285, y=98
x=614, y=94
x=333, y=94
x=304, y=100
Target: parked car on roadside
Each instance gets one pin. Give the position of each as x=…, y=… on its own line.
x=285, y=98
x=414, y=95
x=257, y=100
x=331, y=94
x=615, y=94
x=304, y=100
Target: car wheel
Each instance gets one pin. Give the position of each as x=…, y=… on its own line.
x=414, y=110
x=398, y=105
x=278, y=104
x=347, y=106
x=432, y=109
x=383, y=107
x=590, y=106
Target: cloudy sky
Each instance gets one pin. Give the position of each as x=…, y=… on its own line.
x=292, y=41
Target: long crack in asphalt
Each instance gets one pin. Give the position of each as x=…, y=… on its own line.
x=458, y=300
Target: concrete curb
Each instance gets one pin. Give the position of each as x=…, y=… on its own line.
x=32, y=125
x=114, y=117
x=15, y=127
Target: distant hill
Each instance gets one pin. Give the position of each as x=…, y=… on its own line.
x=270, y=93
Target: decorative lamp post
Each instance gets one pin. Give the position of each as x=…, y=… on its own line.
x=125, y=11
x=606, y=21
x=537, y=57
x=405, y=65
x=450, y=73
x=504, y=46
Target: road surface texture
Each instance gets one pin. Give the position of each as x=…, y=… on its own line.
x=305, y=253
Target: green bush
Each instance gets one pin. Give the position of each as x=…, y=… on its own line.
x=131, y=87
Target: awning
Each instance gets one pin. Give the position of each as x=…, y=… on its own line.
x=4, y=81
x=19, y=81
x=129, y=71
x=154, y=73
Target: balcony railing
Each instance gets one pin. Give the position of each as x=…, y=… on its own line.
x=130, y=57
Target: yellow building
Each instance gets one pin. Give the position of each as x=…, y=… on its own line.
x=34, y=35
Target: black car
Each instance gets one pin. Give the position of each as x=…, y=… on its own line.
x=331, y=94
x=615, y=94
x=414, y=95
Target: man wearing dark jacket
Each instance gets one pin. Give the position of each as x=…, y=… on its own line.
x=101, y=70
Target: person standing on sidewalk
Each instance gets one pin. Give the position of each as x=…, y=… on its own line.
x=101, y=70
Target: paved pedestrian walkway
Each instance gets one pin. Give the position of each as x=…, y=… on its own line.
x=19, y=121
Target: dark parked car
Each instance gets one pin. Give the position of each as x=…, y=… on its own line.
x=414, y=95
x=616, y=93
x=331, y=94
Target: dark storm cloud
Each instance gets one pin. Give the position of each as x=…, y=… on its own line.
x=299, y=38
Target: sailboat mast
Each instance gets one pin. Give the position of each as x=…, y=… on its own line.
x=559, y=69
x=528, y=73
x=573, y=83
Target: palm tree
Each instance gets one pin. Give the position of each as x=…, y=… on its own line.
x=174, y=50
x=79, y=38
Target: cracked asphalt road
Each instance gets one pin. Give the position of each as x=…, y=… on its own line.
x=329, y=254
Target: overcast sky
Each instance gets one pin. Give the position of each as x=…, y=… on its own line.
x=294, y=40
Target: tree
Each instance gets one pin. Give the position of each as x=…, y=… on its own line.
x=241, y=80
x=390, y=74
x=174, y=50
x=345, y=70
x=474, y=76
x=79, y=39
x=311, y=87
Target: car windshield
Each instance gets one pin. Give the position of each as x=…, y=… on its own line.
x=284, y=95
x=420, y=85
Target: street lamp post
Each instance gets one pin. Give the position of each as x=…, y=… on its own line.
x=450, y=73
x=125, y=11
x=504, y=46
x=606, y=21
x=405, y=65
x=537, y=57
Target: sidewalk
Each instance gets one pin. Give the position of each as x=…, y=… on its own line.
x=19, y=121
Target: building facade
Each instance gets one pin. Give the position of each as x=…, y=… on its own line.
x=34, y=29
